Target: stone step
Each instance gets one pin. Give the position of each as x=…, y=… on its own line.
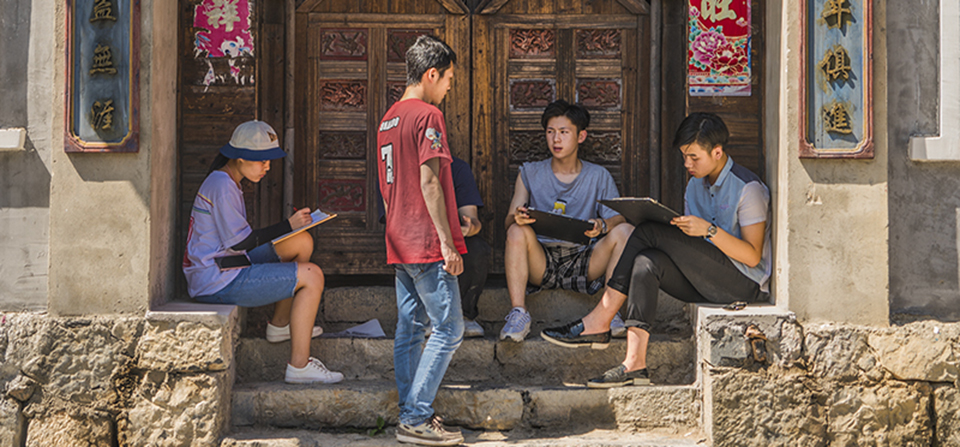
x=512, y=438
x=533, y=362
x=359, y=404
x=342, y=307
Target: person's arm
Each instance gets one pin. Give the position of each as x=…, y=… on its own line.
x=434, y=199
x=517, y=211
x=469, y=220
x=261, y=236
x=747, y=250
x=600, y=229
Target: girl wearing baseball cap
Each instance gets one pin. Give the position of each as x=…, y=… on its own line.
x=281, y=274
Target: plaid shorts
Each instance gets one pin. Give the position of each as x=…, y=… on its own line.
x=567, y=268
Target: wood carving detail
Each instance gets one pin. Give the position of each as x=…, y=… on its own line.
x=599, y=93
x=395, y=92
x=532, y=94
x=527, y=146
x=344, y=44
x=351, y=145
x=532, y=43
x=399, y=40
x=340, y=96
x=602, y=147
x=598, y=44
x=342, y=195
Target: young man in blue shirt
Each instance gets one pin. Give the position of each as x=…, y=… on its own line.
x=718, y=252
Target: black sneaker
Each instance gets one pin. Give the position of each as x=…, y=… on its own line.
x=430, y=432
x=618, y=376
x=569, y=336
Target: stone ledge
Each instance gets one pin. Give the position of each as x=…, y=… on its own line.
x=721, y=340
x=179, y=311
x=188, y=337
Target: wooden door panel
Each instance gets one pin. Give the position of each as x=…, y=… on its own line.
x=353, y=66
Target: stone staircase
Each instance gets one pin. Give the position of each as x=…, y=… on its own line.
x=500, y=393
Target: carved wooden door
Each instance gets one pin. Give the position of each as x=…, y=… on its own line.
x=596, y=54
x=350, y=70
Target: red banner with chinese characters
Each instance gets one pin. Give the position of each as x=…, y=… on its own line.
x=718, y=49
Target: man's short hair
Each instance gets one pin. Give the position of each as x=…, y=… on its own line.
x=705, y=129
x=426, y=53
x=574, y=112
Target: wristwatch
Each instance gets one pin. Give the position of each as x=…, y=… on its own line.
x=711, y=231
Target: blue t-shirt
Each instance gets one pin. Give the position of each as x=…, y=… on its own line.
x=577, y=199
x=737, y=199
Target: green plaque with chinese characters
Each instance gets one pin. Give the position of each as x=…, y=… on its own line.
x=837, y=79
x=103, y=90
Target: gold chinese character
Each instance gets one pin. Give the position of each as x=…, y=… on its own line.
x=102, y=61
x=836, y=118
x=717, y=10
x=102, y=115
x=102, y=10
x=833, y=11
x=835, y=64
x=223, y=12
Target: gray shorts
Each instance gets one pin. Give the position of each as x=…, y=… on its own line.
x=567, y=268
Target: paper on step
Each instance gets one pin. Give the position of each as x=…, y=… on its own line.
x=370, y=329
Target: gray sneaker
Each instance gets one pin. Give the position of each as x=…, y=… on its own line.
x=430, y=432
x=518, y=325
x=471, y=328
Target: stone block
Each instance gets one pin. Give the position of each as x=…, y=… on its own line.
x=357, y=358
x=21, y=388
x=478, y=408
x=919, y=351
x=568, y=407
x=946, y=405
x=743, y=409
x=841, y=353
x=347, y=404
x=893, y=413
x=70, y=430
x=188, y=337
x=721, y=340
x=11, y=423
x=360, y=304
x=177, y=409
x=78, y=359
x=676, y=408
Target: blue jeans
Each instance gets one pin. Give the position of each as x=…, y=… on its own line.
x=264, y=282
x=425, y=293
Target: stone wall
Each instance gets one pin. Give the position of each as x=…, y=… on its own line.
x=115, y=380
x=831, y=384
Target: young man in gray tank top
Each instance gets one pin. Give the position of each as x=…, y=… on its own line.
x=567, y=185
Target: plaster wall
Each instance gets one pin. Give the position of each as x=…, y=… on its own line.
x=924, y=203
x=110, y=214
x=27, y=41
x=831, y=246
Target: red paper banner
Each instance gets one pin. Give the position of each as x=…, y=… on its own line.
x=718, y=56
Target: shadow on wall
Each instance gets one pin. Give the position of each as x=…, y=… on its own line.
x=24, y=179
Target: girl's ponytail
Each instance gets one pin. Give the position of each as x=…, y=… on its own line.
x=218, y=163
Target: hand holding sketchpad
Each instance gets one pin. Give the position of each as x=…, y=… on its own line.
x=641, y=209
x=318, y=217
x=560, y=227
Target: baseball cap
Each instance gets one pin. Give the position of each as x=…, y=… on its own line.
x=253, y=141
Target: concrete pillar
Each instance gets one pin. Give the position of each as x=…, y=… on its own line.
x=831, y=224
x=111, y=215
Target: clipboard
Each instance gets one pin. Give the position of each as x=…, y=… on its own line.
x=641, y=209
x=318, y=217
x=561, y=227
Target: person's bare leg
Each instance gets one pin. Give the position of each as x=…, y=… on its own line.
x=637, y=340
x=524, y=261
x=607, y=252
x=305, y=302
x=298, y=248
x=598, y=320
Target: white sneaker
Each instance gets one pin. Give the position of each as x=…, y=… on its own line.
x=313, y=372
x=471, y=328
x=617, y=328
x=277, y=334
x=518, y=325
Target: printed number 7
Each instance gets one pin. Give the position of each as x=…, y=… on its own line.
x=386, y=154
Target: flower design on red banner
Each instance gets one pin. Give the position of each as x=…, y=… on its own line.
x=719, y=48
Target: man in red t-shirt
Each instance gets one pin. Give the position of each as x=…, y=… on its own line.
x=424, y=241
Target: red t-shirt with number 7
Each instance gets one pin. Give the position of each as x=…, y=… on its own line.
x=411, y=133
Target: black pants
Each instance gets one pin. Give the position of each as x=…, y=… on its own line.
x=691, y=269
x=476, y=263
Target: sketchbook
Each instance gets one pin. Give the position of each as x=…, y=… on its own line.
x=318, y=216
x=641, y=209
x=561, y=227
